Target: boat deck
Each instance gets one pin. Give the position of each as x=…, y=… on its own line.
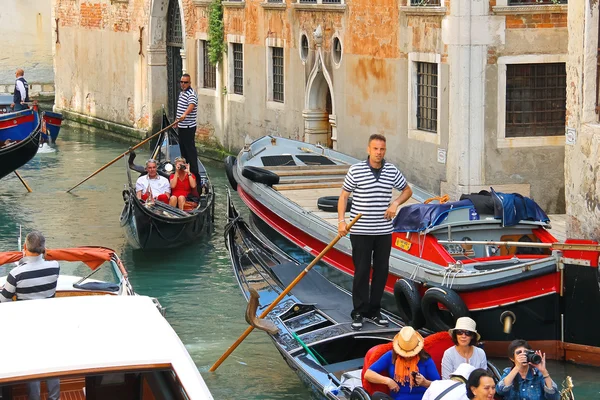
x=305, y=185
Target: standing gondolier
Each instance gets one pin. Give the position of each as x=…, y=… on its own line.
x=371, y=182
x=21, y=92
x=187, y=106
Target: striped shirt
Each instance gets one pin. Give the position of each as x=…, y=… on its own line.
x=34, y=278
x=371, y=196
x=186, y=98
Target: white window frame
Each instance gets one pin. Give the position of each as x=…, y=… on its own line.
x=528, y=141
x=269, y=44
x=231, y=40
x=200, y=60
x=409, y=4
x=413, y=132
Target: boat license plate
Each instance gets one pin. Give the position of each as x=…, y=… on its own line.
x=403, y=244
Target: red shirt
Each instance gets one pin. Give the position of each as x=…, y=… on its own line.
x=182, y=188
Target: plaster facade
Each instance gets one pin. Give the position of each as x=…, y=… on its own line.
x=336, y=96
x=26, y=27
x=582, y=163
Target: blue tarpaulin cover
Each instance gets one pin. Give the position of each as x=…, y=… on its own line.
x=513, y=207
x=418, y=217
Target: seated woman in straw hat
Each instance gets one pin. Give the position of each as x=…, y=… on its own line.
x=410, y=368
x=465, y=337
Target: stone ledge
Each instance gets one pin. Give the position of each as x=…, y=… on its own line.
x=274, y=6
x=124, y=132
x=319, y=7
x=535, y=9
x=422, y=10
x=202, y=3
x=233, y=4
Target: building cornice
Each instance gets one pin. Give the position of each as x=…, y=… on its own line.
x=233, y=4
x=422, y=10
x=341, y=8
x=273, y=6
x=535, y=9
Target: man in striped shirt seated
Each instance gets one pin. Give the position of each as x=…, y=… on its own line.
x=34, y=278
x=371, y=182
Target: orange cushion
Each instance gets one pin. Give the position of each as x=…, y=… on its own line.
x=189, y=206
x=436, y=345
x=373, y=355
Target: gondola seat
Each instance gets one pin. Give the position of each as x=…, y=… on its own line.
x=435, y=344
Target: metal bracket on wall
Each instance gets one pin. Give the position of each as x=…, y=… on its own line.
x=140, y=41
x=56, y=30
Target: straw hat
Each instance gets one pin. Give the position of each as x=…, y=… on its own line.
x=465, y=324
x=408, y=342
x=464, y=371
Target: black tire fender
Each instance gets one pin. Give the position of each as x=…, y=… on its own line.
x=450, y=300
x=230, y=162
x=330, y=203
x=408, y=302
x=359, y=394
x=260, y=175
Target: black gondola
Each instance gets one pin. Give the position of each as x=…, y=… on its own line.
x=155, y=225
x=314, y=333
x=16, y=154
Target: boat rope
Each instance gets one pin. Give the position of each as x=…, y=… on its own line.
x=315, y=354
x=451, y=272
x=442, y=199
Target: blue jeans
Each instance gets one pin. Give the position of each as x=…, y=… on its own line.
x=33, y=389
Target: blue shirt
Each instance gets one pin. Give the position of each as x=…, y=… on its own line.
x=426, y=368
x=530, y=388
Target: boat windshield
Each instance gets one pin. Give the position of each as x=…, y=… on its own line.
x=107, y=272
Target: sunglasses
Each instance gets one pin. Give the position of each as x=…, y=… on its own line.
x=184, y=81
x=461, y=332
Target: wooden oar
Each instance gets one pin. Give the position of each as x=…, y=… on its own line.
x=143, y=142
x=281, y=296
x=23, y=181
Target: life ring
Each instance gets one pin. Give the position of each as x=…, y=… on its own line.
x=408, y=302
x=260, y=175
x=359, y=394
x=438, y=319
x=330, y=203
x=230, y=162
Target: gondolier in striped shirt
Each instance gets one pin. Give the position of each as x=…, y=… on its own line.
x=371, y=183
x=34, y=278
x=187, y=106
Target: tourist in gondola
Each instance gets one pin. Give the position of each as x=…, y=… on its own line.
x=528, y=378
x=410, y=368
x=481, y=386
x=152, y=185
x=453, y=388
x=371, y=183
x=182, y=183
x=465, y=337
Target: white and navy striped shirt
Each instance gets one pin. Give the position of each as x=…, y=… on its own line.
x=371, y=196
x=34, y=278
x=187, y=97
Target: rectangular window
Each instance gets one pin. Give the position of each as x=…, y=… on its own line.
x=427, y=96
x=536, y=97
x=210, y=71
x=535, y=2
x=238, y=68
x=277, y=74
x=435, y=3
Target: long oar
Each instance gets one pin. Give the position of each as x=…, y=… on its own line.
x=281, y=296
x=23, y=181
x=143, y=142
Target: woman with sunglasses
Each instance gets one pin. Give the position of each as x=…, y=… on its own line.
x=465, y=337
x=526, y=379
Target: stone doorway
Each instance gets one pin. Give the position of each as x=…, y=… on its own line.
x=174, y=60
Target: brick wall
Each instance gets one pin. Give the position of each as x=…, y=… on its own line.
x=539, y=21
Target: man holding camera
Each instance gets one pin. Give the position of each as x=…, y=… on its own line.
x=182, y=183
x=528, y=378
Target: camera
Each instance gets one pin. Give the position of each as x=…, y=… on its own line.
x=182, y=167
x=532, y=357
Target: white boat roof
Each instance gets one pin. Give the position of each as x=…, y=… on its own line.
x=68, y=334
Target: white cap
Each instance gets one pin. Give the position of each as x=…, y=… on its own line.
x=464, y=370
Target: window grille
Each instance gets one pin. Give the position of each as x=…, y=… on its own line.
x=535, y=99
x=304, y=52
x=332, y=1
x=434, y=3
x=278, y=74
x=307, y=1
x=238, y=68
x=210, y=71
x=427, y=96
x=535, y=2
x=174, y=31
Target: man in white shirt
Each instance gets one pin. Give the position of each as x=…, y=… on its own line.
x=21, y=93
x=453, y=388
x=153, y=186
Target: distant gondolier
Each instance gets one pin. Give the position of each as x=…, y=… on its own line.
x=371, y=183
x=21, y=92
x=187, y=106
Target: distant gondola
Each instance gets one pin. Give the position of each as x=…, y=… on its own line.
x=157, y=225
x=19, y=139
x=313, y=324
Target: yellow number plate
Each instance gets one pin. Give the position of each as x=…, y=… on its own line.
x=403, y=244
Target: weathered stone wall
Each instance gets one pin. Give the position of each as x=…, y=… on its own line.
x=26, y=29
x=582, y=157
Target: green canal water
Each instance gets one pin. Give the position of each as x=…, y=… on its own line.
x=195, y=283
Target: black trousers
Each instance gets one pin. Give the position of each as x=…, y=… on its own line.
x=367, y=248
x=187, y=145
